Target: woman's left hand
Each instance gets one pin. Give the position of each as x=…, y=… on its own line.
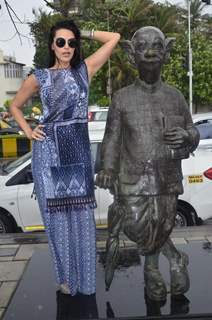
x=37, y=133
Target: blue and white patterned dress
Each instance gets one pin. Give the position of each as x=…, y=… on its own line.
x=63, y=176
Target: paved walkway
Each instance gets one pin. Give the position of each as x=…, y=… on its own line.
x=17, y=249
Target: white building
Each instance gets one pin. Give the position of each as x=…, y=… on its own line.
x=11, y=77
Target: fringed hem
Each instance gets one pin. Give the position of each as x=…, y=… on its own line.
x=57, y=202
x=67, y=208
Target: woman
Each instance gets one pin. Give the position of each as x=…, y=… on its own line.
x=61, y=161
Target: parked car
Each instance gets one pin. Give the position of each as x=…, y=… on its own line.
x=6, y=128
x=11, y=131
x=31, y=121
x=19, y=210
x=203, y=122
x=96, y=113
x=10, y=126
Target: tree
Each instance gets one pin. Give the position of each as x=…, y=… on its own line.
x=165, y=17
x=63, y=7
x=40, y=29
x=176, y=75
x=196, y=10
x=126, y=16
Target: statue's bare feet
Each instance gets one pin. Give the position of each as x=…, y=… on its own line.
x=180, y=282
x=155, y=285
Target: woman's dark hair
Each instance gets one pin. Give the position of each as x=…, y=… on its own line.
x=69, y=25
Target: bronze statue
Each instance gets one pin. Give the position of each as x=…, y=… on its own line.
x=149, y=130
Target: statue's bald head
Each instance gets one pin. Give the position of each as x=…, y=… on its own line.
x=149, y=29
x=148, y=49
x=149, y=32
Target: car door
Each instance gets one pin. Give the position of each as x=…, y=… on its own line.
x=27, y=202
x=197, y=186
x=94, y=155
x=103, y=197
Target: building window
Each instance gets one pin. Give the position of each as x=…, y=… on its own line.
x=13, y=70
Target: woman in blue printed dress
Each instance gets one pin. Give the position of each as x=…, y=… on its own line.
x=61, y=161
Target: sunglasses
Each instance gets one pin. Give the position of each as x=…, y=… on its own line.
x=60, y=42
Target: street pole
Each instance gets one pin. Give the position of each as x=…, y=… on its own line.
x=109, y=87
x=190, y=71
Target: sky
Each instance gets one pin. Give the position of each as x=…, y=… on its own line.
x=10, y=43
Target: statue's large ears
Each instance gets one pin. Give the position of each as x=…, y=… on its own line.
x=128, y=47
x=169, y=42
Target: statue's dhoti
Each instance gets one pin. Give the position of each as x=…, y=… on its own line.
x=149, y=220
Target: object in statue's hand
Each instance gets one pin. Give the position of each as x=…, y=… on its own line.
x=105, y=179
x=176, y=138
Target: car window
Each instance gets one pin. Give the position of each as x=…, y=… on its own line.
x=205, y=130
x=100, y=116
x=14, y=164
x=22, y=177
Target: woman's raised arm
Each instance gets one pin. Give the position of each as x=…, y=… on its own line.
x=95, y=61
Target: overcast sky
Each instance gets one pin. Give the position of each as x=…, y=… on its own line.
x=10, y=43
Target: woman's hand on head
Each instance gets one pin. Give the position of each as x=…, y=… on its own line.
x=37, y=133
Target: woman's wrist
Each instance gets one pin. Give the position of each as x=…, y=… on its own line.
x=87, y=34
x=28, y=133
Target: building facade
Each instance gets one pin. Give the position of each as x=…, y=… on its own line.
x=11, y=77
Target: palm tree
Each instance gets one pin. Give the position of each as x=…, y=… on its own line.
x=165, y=17
x=131, y=15
x=122, y=72
x=196, y=9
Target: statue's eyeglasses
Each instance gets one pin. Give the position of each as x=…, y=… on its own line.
x=60, y=42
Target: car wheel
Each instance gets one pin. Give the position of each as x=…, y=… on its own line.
x=183, y=217
x=6, y=225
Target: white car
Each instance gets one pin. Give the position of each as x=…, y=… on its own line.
x=96, y=113
x=19, y=210
x=203, y=122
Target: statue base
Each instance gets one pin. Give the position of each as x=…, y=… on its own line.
x=37, y=296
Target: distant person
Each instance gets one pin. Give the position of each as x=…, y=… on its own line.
x=61, y=160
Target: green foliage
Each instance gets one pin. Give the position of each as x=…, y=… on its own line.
x=40, y=28
x=173, y=71
x=202, y=68
x=164, y=17
x=103, y=101
x=7, y=104
x=27, y=110
x=176, y=75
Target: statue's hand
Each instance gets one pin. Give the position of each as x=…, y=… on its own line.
x=176, y=138
x=105, y=179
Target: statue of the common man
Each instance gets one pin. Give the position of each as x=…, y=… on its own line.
x=149, y=130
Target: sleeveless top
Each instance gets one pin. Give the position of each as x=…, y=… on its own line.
x=64, y=96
